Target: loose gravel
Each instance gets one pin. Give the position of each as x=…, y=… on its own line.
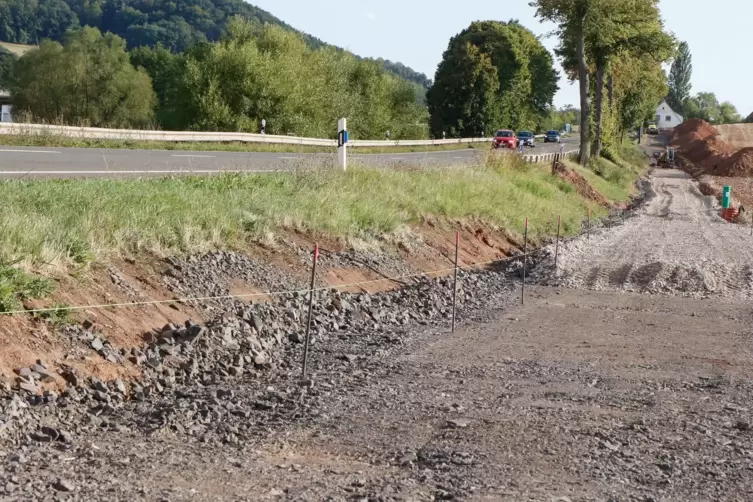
x=676, y=244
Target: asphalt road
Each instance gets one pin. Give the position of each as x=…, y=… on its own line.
x=33, y=162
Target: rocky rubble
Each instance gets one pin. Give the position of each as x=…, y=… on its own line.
x=247, y=341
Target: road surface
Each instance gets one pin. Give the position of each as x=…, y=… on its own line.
x=92, y=162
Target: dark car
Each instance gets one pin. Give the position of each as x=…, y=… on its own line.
x=505, y=139
x=552, y=137
x=527, y=138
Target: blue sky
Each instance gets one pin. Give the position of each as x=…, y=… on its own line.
x=416, y=33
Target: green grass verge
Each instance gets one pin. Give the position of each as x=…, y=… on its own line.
x=51, y=141
x=75, y=222
x=615, y=177
x=17, y=286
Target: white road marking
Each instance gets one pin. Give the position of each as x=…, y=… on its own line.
x=397, y=158
x=199, y=156
x=163, y=171
x=289, y=158
x=28, y=151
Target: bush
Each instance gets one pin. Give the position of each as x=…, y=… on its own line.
x=88, y=80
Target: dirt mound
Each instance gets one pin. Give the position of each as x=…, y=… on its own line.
x=702, y=145
x=739, y=164
x=580, y=183
x=738, y=136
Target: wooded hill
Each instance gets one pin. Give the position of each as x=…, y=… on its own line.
x=174, y=25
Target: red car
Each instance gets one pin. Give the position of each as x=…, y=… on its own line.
x=505, y=139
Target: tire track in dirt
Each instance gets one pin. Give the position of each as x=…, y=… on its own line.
x=677, y=244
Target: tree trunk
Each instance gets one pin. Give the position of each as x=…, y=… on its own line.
x=599, y=112
x=610, y=91
x=585, y=107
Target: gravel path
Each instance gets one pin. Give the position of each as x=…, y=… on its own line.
x=677, y=244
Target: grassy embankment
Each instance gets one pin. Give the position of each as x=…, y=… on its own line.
x=46, y=140
x=72, y=223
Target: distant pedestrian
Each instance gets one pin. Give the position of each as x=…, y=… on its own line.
x=263, y=126
x=562, y=148
x=521, y=146
x=388, y=135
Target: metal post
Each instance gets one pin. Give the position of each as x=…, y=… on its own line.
x=455, y=280
x=557, y=244
x=342, y=143
x=525, y=264
x=311, y=307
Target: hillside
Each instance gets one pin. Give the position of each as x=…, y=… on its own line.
x=175, y=25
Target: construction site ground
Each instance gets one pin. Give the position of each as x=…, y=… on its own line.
x=594, y=391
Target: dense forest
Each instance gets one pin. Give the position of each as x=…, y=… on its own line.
x=174, y=25
x=252, y=73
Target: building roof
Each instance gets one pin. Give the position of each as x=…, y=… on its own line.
x=668, y=109
x=17, y=49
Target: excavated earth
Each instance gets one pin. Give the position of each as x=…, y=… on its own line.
x=625, y=376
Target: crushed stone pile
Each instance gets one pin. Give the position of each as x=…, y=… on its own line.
x=194, y=364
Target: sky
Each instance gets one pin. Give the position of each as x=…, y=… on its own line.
x=416, y=33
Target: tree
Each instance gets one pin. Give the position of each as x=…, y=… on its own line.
x=7, y=59
x=54, y=18
x=519, y=96
x=87, y=80
x=728, y=114
x=614, y=28
x=679, y=78
x=464, y=103
x=174, y=25
x=272, y=74
x=166, y=70
x=639, y=84
x=572, y=18
x=28, y=21
x=704, y=106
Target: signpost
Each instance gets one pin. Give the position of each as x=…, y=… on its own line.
x=342, y=143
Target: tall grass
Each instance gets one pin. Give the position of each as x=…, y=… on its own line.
x=614, y=175
x=68, y=222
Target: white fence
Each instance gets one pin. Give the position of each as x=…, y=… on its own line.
x=208, y=137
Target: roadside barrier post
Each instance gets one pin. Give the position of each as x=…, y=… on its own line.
x=455, y=280
x=342, y=143
x=525, y=264
x=557, y=243
x=311, y=307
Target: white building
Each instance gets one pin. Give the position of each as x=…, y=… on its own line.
x=666, y=117
x=5, y=107
x=6, y=110
x=5, y=113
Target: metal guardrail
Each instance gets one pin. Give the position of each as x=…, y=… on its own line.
x=550, y=157
x=208, y=137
